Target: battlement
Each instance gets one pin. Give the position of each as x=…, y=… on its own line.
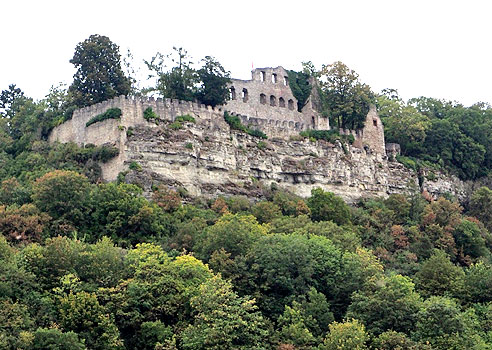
x=159, y=105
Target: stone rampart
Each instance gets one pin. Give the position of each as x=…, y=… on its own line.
x=108, y=131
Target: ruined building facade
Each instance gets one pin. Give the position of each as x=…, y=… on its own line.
x=266, y=102
x=268, y=95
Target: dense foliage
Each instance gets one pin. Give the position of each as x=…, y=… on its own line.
x=98, y=266
x=440, y=132
x=99, y=75
x=236, y=124
x=178, y=79
x=344, y=96
x=327, y=135
x=300, y=86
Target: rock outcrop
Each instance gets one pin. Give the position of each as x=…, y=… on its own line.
x=208, y=158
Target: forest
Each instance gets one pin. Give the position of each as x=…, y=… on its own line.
x=92, y=265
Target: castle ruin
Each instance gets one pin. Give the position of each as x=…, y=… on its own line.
x=208, y=158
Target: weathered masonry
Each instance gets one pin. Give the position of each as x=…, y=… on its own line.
x=268, y=96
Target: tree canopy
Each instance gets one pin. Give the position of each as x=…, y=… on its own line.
x=99, y=75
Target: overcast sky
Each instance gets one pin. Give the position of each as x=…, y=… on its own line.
x=428, y=48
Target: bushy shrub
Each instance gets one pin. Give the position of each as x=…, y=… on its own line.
x=235, y=124
x=185, y=118
x=176, y=125
x=257, y=133
x=327, y=135
x=149, y=114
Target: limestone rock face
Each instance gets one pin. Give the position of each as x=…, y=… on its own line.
x=209, y=161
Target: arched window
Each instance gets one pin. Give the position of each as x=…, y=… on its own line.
x=313, y=121
x=233, y=93
x=273, y=100
x=263, y=99
x=262, y=76
x=281, y=102
x=274, y=78
x=286, y=81
x=245, y=95
x=291, y=104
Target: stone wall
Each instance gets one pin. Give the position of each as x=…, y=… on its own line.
x=114, y=131
x=371, y=137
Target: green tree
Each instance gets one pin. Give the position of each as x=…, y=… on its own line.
x=175, y=75
x=481, y=206
x=470, y=239
x=391, y=340
x=281, y=268
x=347, y=99
x=54, y=339
x=121, y=212
x=223, y=320
x=387, y=304
x=99, y=76
x=441, y=323
x=15, y=322
x=102, y=265
x=234, y=233
x=63, y=195
x=10, y=101
x=58, y=257
x=478, y=283
x=214, y=81
x=160, y=289
x=306, y=321
x=325, y=206
x=439, y=276
x=82, y=314
x=446, y=144
x=266, y=211
x=300, y=86
x=347, y=335
x=293, y=329
x=403, y=124
x=357, y=269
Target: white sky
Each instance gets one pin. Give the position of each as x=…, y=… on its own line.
x=428, y=48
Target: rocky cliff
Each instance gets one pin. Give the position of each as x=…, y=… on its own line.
x=208, y=158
